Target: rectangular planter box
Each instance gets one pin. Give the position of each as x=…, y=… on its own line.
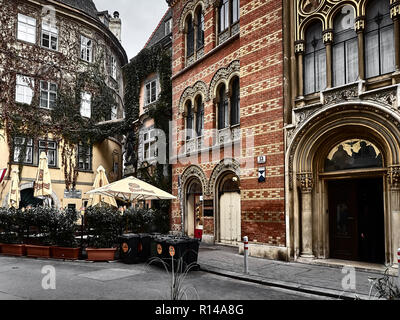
x=101, y=254
x=16, y=250
x=65, y=253
x=37, y=251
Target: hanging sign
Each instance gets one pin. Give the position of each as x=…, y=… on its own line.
x=261, y=174
x=171, y=251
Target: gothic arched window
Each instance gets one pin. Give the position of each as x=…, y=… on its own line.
x=200, y=29
x=222, y=108
x=314, y=60
x=379, y=39
x=199, y=116
x=189, y=120
x=345, y=47
x=189, y=37
x=235, y=102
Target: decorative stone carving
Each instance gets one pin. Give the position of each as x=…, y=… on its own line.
x=341, y=94
x=225, y=165
x=195, y=171
x=327, y=36
x=306, y=181
x=190, y=7
x=394, y=177
x=223, y=73
x=198, y=87
x=309, y=6
x=386, y=97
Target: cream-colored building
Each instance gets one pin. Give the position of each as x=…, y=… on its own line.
x=63, y=36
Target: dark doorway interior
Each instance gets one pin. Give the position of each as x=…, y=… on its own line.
x=27, y=199
x=357, y=220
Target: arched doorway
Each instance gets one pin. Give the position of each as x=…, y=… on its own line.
x=229, y=209
x=355, y=201
x=194, y=207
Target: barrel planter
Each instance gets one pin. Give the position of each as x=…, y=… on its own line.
x=37, y=251
x=16, y=250
x=102, y=254
x=65, y=253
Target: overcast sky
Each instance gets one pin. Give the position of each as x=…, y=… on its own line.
x=139, y=19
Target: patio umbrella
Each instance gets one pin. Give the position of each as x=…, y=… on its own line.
x=43, y=188
x=14, y=197
x=101, y=181
x=131, y=189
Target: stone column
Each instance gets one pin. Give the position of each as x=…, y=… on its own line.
x=359, y=27
x=328, y=38
x=306, y=185
x=299, y=50
x=394, y=185
x=395, y=15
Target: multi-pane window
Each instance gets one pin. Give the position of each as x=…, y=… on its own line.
x=24, y=89
x=200, y=29
x=151, y=92
x=345, y=48
x=379, y=35
x=190, y=37
x=85, y=156
x=189, y=120
x=48, y=94
x=50, y=148
x=86, y=49
x=49, y=37
x=223, y=109
x=21, y=145
x=314, y=60
x=235, y=10
x=223, y=15
x=235, y=102
x=168, y=27
x=149, y=145
x=199, y=116
x=86, y=105
x=26, y=28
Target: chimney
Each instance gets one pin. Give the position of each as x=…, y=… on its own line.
x=115, y=25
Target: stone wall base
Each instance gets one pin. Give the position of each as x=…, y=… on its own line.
x=266, y=251
x=209, y=239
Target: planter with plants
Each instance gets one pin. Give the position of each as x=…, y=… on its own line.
x=63, y=237
x=103, y=225
x=12, y=232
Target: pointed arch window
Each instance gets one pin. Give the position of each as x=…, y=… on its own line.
x=235, y=102
x=199, y=116
x=200, y=29
x=190, y=37
x=189, y=120
x=379, y=39
x=314, y=60
x=222, y=108
x=345, y=47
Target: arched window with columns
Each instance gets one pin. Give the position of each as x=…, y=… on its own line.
x=189, y=120
x=199, y=115
x=189, y=36
x=235, y=102
x=345, y=47
x=379, y=39
x=200, y=28
x=222, y=108
x=314, y=60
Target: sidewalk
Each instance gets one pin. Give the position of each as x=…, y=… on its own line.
x=309, y=278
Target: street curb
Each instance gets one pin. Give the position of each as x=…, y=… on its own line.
x=330, y=293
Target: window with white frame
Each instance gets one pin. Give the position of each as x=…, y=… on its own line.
x=48, y=94
x=85, y=156
x=24, y=89
x=149, y=145
x=86, y=105
x=49, y=38
x=168, y=27
x=21, y=144
x=26, y=30
x=151, y=92
x=86, y=49
x=50, y=148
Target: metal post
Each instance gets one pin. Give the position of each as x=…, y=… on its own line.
x=398, y=264
x=246, y=254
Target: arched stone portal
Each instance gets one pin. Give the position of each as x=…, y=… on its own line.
x=310, y=196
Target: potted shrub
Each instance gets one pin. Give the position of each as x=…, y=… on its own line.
x=104, y=226
x=63, y=236
x=11, y=232
x=44, y=221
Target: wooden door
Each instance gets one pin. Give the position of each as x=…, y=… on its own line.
x=230, y=217
x=343, y=215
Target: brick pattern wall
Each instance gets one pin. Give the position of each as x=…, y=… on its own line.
x=259, y=47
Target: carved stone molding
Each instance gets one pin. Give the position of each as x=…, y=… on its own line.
x=393, y=176
x=195, y=172
x=341, y=94
x=223, y=73
x=198, y=87
x=190, y=6
x=225, y=165
x=306, y=181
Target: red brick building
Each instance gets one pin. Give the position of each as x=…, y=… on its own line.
x=228, y=147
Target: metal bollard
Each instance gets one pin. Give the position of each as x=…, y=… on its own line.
x=246, y=254
x=398, y=263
